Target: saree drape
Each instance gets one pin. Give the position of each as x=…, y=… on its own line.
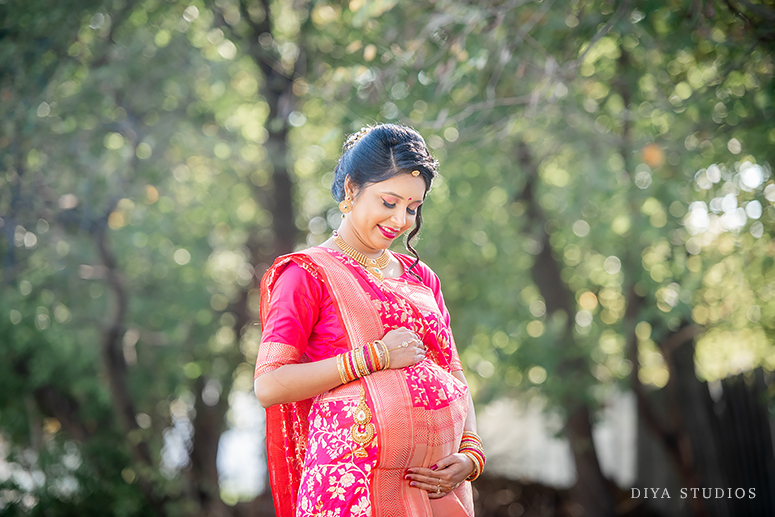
x=419, y=412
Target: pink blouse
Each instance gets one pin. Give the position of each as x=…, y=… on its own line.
x=303, y=315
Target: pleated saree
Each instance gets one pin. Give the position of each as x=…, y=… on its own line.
x=317, y=304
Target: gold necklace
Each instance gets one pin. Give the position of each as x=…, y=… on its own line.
x=373, y=266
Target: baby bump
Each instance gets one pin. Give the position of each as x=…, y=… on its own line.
x=420, y=412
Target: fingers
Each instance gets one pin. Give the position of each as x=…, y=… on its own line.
x=407, y=339
x=444, y=463
x=405, y=347
x=442, y=477
x=414, y=342
x=437, y=485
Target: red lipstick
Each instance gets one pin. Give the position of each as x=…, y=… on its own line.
x=388, y=233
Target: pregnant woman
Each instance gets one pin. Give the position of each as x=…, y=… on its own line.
x=368, y=410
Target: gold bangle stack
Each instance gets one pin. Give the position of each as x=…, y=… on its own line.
x=362, y=361
x=471, y=446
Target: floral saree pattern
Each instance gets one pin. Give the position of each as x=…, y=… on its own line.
x=317, y=304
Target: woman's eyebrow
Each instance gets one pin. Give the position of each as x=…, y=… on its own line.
x=399, y=197
x=393, y=194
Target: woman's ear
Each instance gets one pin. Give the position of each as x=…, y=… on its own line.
x=349, y=189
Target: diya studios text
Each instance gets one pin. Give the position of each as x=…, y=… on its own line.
x=694, y=493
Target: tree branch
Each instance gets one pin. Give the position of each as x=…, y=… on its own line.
x=623, y=6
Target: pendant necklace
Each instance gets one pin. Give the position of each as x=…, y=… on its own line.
x=373, y=266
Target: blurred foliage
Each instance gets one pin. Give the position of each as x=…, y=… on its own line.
x=636, y=136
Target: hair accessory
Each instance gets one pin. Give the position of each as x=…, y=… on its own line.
x=346, y=205
x=353, y=139
x=415, y=173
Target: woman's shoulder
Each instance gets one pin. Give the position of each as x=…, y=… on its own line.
x=295, y=270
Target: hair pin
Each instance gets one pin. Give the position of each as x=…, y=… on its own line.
x=353, y=139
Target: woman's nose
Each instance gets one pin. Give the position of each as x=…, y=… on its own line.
x=399, y=219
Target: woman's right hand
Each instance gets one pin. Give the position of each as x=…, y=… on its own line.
x=405, y=347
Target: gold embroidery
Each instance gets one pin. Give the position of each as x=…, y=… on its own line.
x=362, y=431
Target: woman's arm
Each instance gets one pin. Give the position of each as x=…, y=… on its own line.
x=294, y=382
x=470, y=424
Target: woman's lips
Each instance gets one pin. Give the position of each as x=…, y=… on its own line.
x=388, y=233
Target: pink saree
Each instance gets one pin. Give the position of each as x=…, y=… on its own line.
x=317, y=304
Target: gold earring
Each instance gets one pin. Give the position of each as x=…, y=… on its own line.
x=347, y=205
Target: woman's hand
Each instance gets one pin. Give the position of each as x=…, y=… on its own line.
x=404, y=347
x=443, y=477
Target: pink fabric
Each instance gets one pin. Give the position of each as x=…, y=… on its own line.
x=303, y=315
x=419, y=411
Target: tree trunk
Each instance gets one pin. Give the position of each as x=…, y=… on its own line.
x=204, y=453
x=591, y=494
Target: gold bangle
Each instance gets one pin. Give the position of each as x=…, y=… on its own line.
x=381, y=353
x=472, y=435
x=340, y=367
x=384, y=352
x=374, y=356
x=360, y=362
x=477, y=466
x=348, y=366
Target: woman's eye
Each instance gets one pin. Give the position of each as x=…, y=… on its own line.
x=411, y=212
x=389, y=205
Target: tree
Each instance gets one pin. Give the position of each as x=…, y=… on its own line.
x=575, y=144
x=603, y=219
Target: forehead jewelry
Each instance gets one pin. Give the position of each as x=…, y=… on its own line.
x=415, y=173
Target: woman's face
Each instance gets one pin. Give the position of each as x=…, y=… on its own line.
x=383, y=211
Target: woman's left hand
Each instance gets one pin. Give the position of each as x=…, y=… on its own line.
x=448, y=473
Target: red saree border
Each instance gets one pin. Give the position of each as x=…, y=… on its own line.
x=286, y=424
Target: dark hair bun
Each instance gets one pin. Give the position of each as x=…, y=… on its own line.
x=377, y=153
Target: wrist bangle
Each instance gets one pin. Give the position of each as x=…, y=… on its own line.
x=362, y=361
x=340, y=367
x=382, y=349
x=477, y=465
x=374, y=357
x=471, y=447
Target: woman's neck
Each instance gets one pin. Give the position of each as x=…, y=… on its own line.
x=352, y=238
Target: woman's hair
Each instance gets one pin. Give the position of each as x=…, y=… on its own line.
x=378, y=153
